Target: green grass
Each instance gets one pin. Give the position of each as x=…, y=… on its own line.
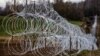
x=3, y=33
x=89, y=53
x=83, y=53
x=76, y=22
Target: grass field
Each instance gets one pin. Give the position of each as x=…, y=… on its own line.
x=2, y=32
x=76, y=22
x=4, y=35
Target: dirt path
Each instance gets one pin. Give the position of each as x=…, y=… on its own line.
x=4, y=37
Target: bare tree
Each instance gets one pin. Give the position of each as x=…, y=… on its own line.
x=92, y=7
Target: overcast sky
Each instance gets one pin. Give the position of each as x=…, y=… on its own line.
x=3, y=2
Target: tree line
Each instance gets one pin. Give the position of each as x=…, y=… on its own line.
x=77, y=11
x=69, y=10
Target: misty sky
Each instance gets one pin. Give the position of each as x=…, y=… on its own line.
x=3, y=2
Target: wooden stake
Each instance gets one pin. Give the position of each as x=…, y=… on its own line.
x=70, y=45
x=45, y=42
x=14, y=5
